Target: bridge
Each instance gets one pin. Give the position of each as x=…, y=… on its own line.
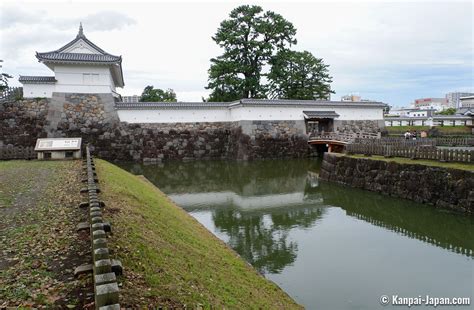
x=337, y=140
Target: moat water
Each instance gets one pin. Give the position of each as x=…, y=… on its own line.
x=327, y=246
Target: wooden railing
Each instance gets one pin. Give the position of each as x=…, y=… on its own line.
x=418, y=152
x=342, y=136
x=11, y=93
x=442, y=141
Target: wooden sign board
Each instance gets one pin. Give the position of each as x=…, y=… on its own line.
x=58, y=144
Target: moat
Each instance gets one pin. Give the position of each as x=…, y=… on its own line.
x=327, y=246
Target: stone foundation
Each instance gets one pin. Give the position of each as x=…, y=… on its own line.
x=23, y=121
x=94, y=118
x=441, y=187
x=357, y=126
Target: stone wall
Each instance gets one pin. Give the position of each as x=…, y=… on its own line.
x=359, y=125
x=441, y=187
x=93, y=117
x=23, y=121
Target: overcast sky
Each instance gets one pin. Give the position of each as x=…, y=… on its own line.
x=388, y=51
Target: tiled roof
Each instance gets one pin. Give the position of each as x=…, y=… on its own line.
x=61, y=55
x=174, y=105
x=245, y=102
x=287, y=102
x=37, y=79
x=78, y=57
x=320, y=114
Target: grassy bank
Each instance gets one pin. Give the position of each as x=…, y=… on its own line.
x=400, y=160
x=170, y=259
x=445, y=130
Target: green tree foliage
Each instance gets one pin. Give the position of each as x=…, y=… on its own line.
x=298, y=75
x=448, y=111
x=151, y=94
x=250, y=38
x=4, y=81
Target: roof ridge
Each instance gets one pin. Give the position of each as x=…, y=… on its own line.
x=80, y=36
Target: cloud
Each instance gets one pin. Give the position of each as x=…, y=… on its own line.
x=105, y=20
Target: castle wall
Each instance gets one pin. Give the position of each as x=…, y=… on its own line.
x=181, y=134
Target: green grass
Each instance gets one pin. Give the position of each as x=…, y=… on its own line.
x=400, y=160
x=170, y=258
x=461, y=130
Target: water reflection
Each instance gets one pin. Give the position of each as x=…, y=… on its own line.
x=437, y=227
x=256, y=204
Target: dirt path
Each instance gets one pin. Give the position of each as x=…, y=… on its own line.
x=39, y=244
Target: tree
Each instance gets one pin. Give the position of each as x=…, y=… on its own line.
x=448, y=111
x=151, y=94
x=250, y=38
x=4, y=81
x=298, y=75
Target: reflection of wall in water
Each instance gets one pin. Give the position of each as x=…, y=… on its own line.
x=443, y=229
x=247, y=178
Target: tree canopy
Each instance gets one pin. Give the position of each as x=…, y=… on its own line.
x=255, y=42
x=151, y=94
x=250, y=38
x=298, y=75
x=4, y=81
x=448, y=111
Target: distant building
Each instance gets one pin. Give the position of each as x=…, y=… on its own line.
x=454, y=98
x=467, y=102
x=466, y=106
x=131, y=99
x=352, y=98
x=79, y=67
x=437, y=104
x=412, y=112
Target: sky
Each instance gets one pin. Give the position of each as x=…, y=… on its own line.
x=392, y=52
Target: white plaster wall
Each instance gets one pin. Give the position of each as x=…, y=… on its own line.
x=241, y=113
x=174, y=116
x=38, y=90
x=71, y=79
x=296, y=113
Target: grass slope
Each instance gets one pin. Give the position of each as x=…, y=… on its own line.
x=170, y=259
x=400, y=160
x=449, y=130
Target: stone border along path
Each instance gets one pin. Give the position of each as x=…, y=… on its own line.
x=104, y=268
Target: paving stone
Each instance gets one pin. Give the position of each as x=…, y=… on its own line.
x=110, y=307
x=83, y=226
x=98, y=234
x=99, y=243
x=97, y=219
x=83, y=205
x=117, y=266
x=82, y=269
x=105, y=278
x=101, y=253
x=106, y=294
x=102, y=266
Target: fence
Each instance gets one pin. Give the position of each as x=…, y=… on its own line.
x=418, y=152
x=343, y=137
x=11, y=93
x=17, y=152
x=442, y=141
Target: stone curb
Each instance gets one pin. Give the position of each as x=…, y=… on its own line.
x=105, y=269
